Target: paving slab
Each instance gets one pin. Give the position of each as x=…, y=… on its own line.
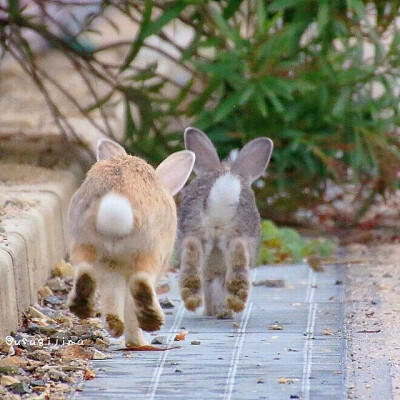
x=242, y=358
x=33, y=206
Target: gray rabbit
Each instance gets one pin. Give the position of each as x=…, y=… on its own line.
x=219, y=226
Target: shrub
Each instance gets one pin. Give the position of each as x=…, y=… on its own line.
x=319, y=77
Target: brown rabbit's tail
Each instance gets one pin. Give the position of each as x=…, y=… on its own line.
x=114, y=216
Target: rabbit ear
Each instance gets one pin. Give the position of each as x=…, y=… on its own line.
x=253, y=159
x=107, y=148
x=174, y=171
x=206, y=155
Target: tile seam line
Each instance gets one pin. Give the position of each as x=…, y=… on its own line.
x=230, y=382
x=161, y=361
x=308, y=345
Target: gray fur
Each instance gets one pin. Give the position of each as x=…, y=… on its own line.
x=227, y=252
x=246, y=223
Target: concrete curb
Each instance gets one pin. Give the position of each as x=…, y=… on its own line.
x=33, y=214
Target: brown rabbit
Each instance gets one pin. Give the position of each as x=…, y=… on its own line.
x=122, y=223
x=219, y=225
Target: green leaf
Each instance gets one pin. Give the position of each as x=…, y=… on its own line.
x=100, y=102
x=130, y=127
x=13, y=7
x=261, y=17
x=148, y=28
x=260, y=104
x=286, y=244
x=341, y=103
x=273, y=99
x=171, y=11
x=227, y=31
x=237, y=99
x=138, y=42
x=324, y=15
x=280, y=5
x=269, y=229
x=231, y=8
x=357, y=7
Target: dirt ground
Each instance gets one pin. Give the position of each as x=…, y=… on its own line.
x=373, y=322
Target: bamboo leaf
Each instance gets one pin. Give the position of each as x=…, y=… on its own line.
x=130, y=127
x=235, y=100
x=231, y=8
x=138, y=42
x=280, y=5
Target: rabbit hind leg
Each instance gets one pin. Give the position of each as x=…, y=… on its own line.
x=237, y=277
x=81, y=297
x=112, y=288
x=190, y=273
x=148, y=311
x=133, y=332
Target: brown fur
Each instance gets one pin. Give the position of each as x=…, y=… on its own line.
x=125, y=268
x=83, y=253
x=149, y=315
x=114, y=325
x=82, y=303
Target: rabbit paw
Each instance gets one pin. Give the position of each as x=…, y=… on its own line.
x=81, y=302
x=224, y=314
x=239, y=291
x=114, y=325
x=149, y=313
x=188, y=293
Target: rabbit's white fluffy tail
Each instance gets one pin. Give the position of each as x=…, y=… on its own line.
x=223, y=199
x=115, y=215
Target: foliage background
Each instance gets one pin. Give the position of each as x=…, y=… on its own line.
x=320, y=77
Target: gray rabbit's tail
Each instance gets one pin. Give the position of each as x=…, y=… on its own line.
x=224, y=198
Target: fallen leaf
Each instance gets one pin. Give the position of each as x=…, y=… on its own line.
x=35, y=313
x=63, y=269
x=101, y=344
x=19, y=388
x=164, y=288
x=98, y=355
x=6, y=380
x=45, y=291
x=275, y=327
x=14, y=361
x=285, y=381
x=316, y=262
x=180, y=336
x=148, y=348
x=88, y=374
x=4, y=347
x=57, y=284
x=74, y=351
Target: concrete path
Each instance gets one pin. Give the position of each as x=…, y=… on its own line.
x=247, y=359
